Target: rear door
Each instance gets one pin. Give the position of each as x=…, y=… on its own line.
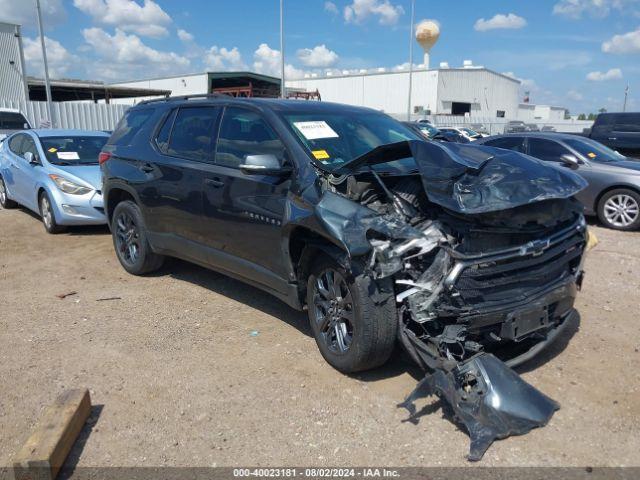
x=625, y=134
x=172, y=192
x=243, y=213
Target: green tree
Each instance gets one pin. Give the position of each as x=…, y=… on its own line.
x=602, y=110
x=582, y=116
x=592, y=116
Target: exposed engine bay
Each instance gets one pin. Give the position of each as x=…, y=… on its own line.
x=486, y=257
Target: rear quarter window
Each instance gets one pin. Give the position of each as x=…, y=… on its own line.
x=130, y=124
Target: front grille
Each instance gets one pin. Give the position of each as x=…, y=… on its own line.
x=520, y=276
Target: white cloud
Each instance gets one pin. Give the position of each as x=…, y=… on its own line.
x=360, y=10
x=184, y=36
x=317, y=57
x=267, y=61
x=613, y=74
x=223, y=59
x=60, y=60
x=575, y=96
x=331, y=7
x=500, y=21
x=23, y=12
x=124, y=56
x=148, y=19
x=575, y=9
x=625, y=43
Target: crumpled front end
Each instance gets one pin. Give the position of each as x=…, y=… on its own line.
x=485, y=248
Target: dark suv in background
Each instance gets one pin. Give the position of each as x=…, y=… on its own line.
x=458, y=252
x=620, y=131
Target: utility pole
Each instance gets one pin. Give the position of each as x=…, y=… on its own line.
x=626, y=95
x=282, y=87
x=47, y=84
x=413, y=7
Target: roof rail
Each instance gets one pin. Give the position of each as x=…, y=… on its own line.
x=183, y=97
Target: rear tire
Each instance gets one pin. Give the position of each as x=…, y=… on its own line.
x=353, y=318
x=619, y=209
x=130, y=240
x=48, y=215
x=4, y=199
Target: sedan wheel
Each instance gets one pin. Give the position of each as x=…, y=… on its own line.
x=621, y=210
x=48, y=216
x=333, y=311
x=4, y=199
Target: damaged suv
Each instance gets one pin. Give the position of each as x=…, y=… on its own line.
x=467, y=256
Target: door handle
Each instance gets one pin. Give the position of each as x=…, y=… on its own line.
x=613, y=138
x=147, y=168
x=214, y=182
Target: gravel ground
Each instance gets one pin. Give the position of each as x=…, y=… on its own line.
x=179, y=376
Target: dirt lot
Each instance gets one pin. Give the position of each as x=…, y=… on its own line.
x=179, y=379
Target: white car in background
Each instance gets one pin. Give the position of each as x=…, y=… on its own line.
x=466, y=132
x=12, y=120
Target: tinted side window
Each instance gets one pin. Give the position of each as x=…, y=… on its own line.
x=193, y=133
x=546, y=149
x=12, y=121
x=129, y=125
x=243, y=133
x=509, y=143
x=604, y=119
x=162, y=139
x=627, y=122
x=15, y=144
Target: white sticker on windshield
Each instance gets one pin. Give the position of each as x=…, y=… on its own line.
x=68, y=155
x=315, y=130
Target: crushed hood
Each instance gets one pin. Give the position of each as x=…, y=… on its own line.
x=475, y=179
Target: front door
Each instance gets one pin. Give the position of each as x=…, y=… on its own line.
x=243, y=212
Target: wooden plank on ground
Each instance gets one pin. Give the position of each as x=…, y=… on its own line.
x=45, y=451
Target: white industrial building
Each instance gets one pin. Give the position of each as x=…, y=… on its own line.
x=468, y=91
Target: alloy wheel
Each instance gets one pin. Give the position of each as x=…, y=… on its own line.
x=3, y=192
x=127, y=238
x=47, y=214
x=621, y=210
x=333, y=311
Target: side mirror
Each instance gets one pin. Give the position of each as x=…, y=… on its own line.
x=570, y=161
x=31, y=158
x=265, y=164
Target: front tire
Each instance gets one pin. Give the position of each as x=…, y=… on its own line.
x=619, y=209
x=48, y=215
x=353, y=318
x=4, y=199
x=130, y=240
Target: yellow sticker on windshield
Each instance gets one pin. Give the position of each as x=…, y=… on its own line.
x=52, y=150
x=320, y=154
x=591, y=155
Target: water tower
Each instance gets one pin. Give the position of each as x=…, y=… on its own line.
x=427, y=34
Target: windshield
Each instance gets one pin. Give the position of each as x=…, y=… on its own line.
x=334, y=139
x=83, y=150
x=429, y=130
x=468, y=131
x=594, y=151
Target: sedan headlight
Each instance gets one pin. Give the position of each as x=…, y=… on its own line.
x=67, y=186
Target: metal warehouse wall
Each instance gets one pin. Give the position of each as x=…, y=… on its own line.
x=486, y=91
x=85, y=116
x=11, y=76
x=385, y=91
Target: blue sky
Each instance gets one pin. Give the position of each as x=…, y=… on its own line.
x=575, y=53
